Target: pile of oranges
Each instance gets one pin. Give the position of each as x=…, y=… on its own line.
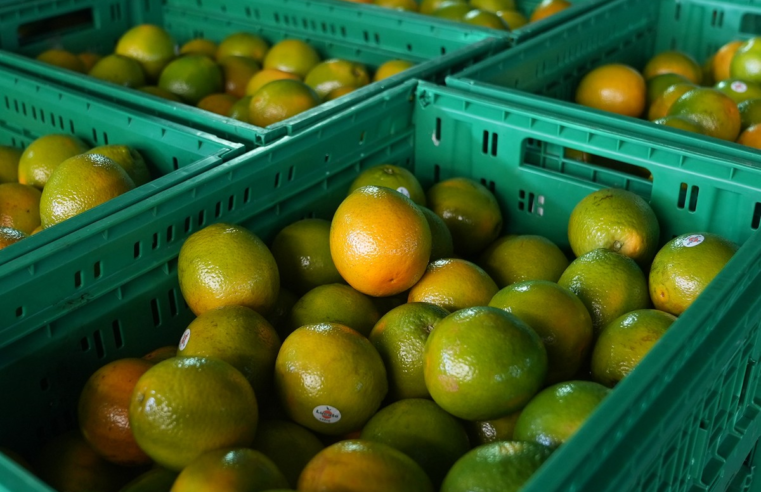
x=407, y=344
x=242, y=77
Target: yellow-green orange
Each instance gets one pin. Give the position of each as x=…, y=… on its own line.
x=229, y=470
x=237, y=72
x=486, y=431
x=302, y=253
x=625, y=341
x=680, y=123
x=19, y=207
x=239, y=110
x=608, y=283
x=423, y=431
x=149, y=45
x=662, y=105
x=485, y=19
x=483, y=363
x=429, y=6
x=684, y=267
x=128, y=158
x=394, y=177
x=363, y=466
x=722, y=59
x=292, y=56
x=9, y=161
x=264, y=77
x=243, y=44
x=288, y=445
x=334, y=74
x=739, y=90
x=555, y=414
x=391, y=68
x=713, y=110
x=400, y=336
x=280, y=100
x=442, y=245
x=470, y=211
x=558, y=316
x=617, y=220
x=512, y=259
x=513, y=19
x=454, y=284
x=750, y=113
x=673, y=62
x=81, y=183
x=62, y=59
x=657, y=85
x=183, y=407
x=237, y=335
x=493, y=5
x=192, y=77
x=548, y=8
x=746, y=62
x=226, y=265
x=335, y=303
x=119, y=70
x=199, y=46
x=329, y=378
x=42, y=156
x=159, y=92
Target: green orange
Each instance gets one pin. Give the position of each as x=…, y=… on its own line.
x=120, y=70
x=243, y=44
x=335, y=303
x=394, y=177
x=280, y=100
x=292, y=56
x=149, y=45
x=714, y=111
x=746, y=62
x=511, y=259
x=334, y=74
x=453, y=284
x=192, y=77
x=230, y=470
x=288, y=445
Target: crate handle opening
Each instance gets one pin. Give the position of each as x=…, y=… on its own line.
x=49, y=28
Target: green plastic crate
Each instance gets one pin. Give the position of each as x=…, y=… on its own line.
x=31, y=107
x=680, y=422
x=336, y=31
x=748, y=479
x=624, y=31
x=526, y=7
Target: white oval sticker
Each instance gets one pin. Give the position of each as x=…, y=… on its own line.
x=326, y=414
x=404, y=191
x=693, y=240
x=184, y=339
x=738, y=86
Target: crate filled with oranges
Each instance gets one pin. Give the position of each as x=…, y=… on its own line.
x=424, y=295
x=691, y=66
x=207, y=65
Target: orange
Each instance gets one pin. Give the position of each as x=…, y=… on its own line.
x=230, y=470
x=199, y=46
x=673, y=62
x=79, y=184
x=227, y=265
x=391, y=68
x=103, y=411
x=617, y=220
x=366, y=466
x=19, y=207
x=625, y=341
x=722, y=60
x=88, y=60
x=329, y=378
x=288, y=445
x=380, y=241
x=155, y=480
x=597, y=278
x=340, y=92
x=452, y=10
x=159, y=92
x=335, y=303
x=292, y=56
x=280, y=100
x=192, y=77
x=149, y=45
x=715, y=112
x=707, y=72
x=161, y=354
x=554, y=415
x=302, y=253
x=750, y=113
x=429, y=6
x=680, y=123
x=470, y=211
x=239, y=110
x=513, y=19
x=746, y=62
x=237, y=335
x=483, y=363
x=615, y=88
x=10, y=236
x=406, y=5
x=243, y=44
x=548, y=8
x=264, y=77
x=661, y=106
x=42, y=156
x=280, y=312
x=684, y=267
x=738, y=90
x=512, y=259
x=399, y=337
x=237, y=71
x=128, y=158
x=391, y=176
x=220, y=104
x=62, y=59
x=485, y=19
x=334, y=74
x=119, y=70
x=558, y=316
x=500, y=466
x=487, y=431
x=442, y=245
x=454, y=284
x=9, y=162
x=184, y=407
x=751, y=137
x=423, y=431
x=493, y=5
x=657, y=85
x=68, y=463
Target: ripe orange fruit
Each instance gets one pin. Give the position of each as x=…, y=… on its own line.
x=227, y=265
x=103, y=411
x=192, y=77
x=470, y=211
x=715, y=112
x=292, y=56
x=391, y=68
x=184, y=407
x=243, y=44
x=161, y=354
x=237, y=71
x=230, y=470
x=149, y=45
x=355, y=465
x=280, y=100
x=751, y=137
x=42, y=156
x=220, y=104
x=88, y=60
x=62, y=59
x=19, y=207
x=722, y=60
x=547, y=8
x=9, y=161
x=511, y=259
x=79, y=184
x=10, y=236
x=483, y=363
x=335, y=303
x=199, y=46
x=615, y=88
x=380, y=241
x=673, y=62
x=453, y=284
